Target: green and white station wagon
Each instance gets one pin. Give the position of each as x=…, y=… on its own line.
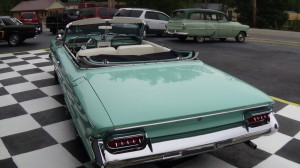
x=133, y=101
x=204, y=23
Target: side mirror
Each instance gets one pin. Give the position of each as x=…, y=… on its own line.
x=59, y=37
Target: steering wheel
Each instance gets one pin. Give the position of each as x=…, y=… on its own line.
x=91, y=43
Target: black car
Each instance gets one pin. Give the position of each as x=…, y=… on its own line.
x=15, y=32
x=58, y=21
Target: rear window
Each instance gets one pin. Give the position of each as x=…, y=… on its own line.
x=27, y=15
x=178, y=15
x=87, y=12
x=197, y=16
x=129, y=13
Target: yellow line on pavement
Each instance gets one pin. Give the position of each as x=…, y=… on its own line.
x=284, y=101
x=276, y=42
x=25, y=51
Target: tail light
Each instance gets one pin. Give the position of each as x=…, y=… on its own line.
x=258, y=120
x=183, y=26
x=35, y=20
x=258, y=116
x=121, y=143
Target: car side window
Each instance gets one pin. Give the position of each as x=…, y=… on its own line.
x=222, y=17
x=162, y=17
x=211, y=16
x=1, y=23
x=151, y=15
x=197, y=16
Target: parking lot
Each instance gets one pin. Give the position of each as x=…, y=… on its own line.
x=36, y=130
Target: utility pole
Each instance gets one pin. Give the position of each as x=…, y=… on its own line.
x=111, y=3
x=254, y=13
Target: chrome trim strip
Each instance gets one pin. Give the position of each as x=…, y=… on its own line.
x=189, y=118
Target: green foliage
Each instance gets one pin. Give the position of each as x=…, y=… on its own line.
x=270, y=13
x=293, y=5
x=7, y=5
x=166, y=6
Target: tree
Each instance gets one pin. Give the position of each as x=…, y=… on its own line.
x=6, y=6
x=166, y=6
x=270, y=13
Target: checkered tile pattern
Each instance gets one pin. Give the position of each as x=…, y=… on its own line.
x=37, y=132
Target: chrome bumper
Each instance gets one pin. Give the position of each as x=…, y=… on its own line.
x=188, y=146
x=177, y=33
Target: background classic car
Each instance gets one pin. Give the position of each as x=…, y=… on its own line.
x=155, y=21
x=14, y=32
x=204, y=23
x=133, y=101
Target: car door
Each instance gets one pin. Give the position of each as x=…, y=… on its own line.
x=151, y=20
x=195, y=25
x=2, y=30
x=225, y=27
x=156, y=21
x=162, y=20
x=212, y=24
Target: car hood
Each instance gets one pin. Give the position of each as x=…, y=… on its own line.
x=142, y=94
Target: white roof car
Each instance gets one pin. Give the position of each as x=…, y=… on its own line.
x=155, y=20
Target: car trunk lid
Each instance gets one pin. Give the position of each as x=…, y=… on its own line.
x=170, y=98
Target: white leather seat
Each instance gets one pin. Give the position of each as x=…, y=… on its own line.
x=135, y=49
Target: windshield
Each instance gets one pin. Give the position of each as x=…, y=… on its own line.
x=27, y=16
x=12, y=21
x=104, y=29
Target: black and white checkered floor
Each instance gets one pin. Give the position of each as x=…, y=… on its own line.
x=36, y=131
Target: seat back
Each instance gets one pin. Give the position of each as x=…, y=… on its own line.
x=97, y=51
x=135, y=49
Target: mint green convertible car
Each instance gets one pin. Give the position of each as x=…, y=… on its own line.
x=205, y=23
x=133, y=101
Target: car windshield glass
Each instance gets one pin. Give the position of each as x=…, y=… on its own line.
x=104, y=29
x=12, y=21
x=178, y=15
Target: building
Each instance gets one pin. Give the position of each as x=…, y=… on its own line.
x=46, y=8
x=292, y=15
x=43, y=8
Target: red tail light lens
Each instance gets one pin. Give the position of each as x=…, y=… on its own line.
x=121, y=143
x=35, y=20
x=125, y=142
x=258, y=120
